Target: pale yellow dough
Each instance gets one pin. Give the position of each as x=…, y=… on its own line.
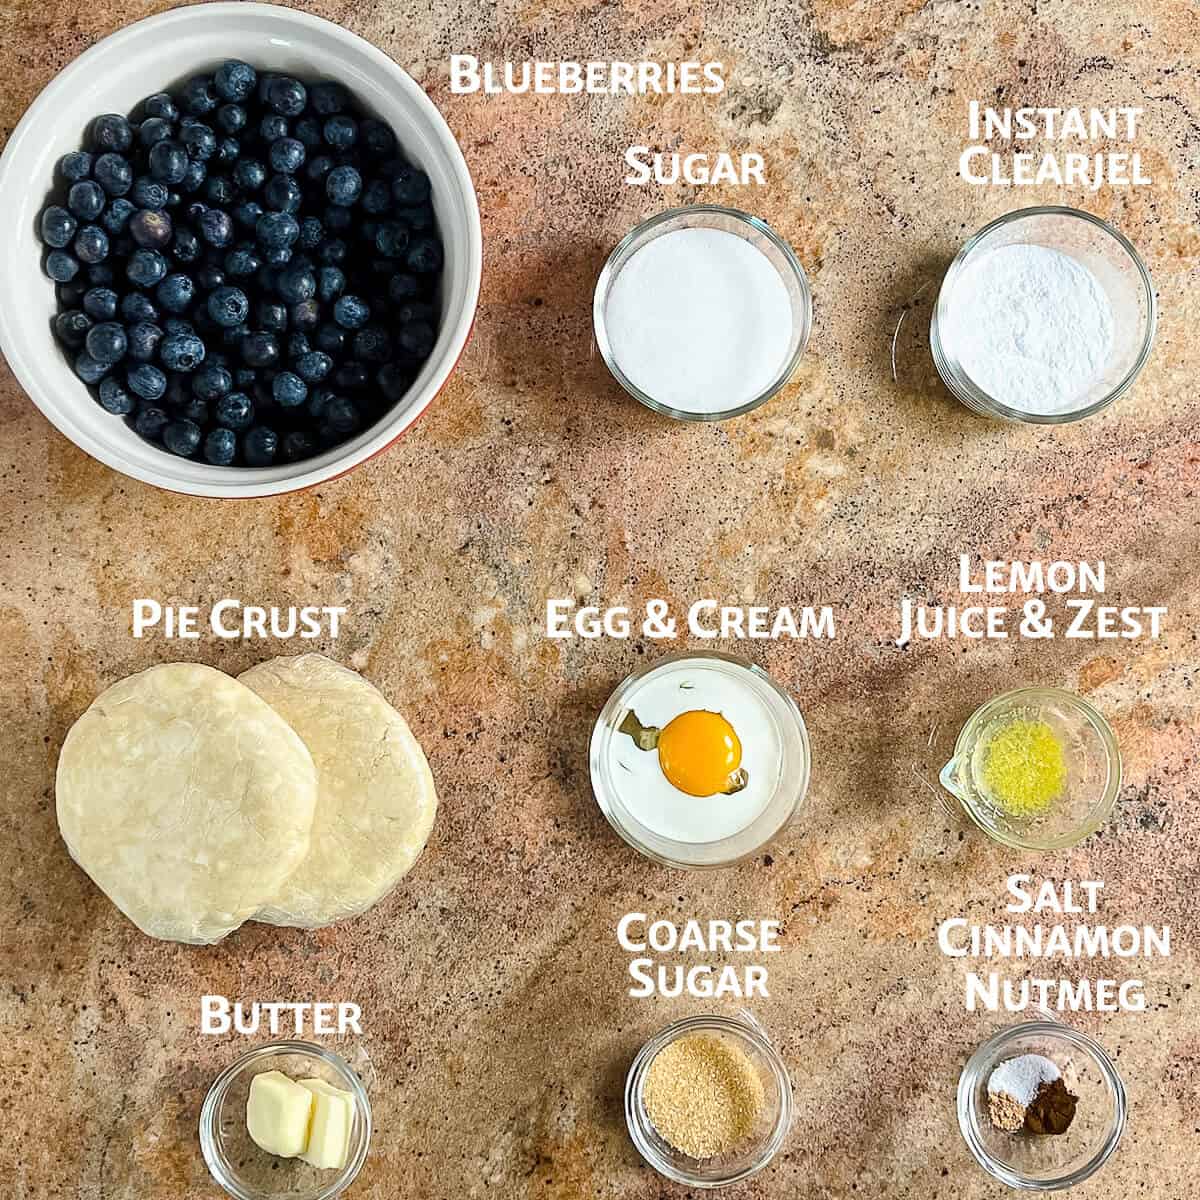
x=187, y=799
x=376, y=800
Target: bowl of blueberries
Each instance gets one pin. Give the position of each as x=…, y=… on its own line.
x=246, y=250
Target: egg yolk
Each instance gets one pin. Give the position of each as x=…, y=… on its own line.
x=698, y=751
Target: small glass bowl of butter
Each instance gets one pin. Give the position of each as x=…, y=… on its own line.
x=237, y=1162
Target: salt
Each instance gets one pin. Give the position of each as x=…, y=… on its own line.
x=1021, y=1077
x=699, y=320
x=1032, y=327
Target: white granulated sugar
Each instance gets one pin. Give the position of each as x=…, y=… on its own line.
x=1032, y=328
x=699, y=320
x=1021, y=1077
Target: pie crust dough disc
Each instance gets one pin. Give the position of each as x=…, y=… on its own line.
x=376, y=800
x=186, y=798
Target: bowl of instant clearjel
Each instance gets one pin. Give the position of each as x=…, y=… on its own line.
x=245, y=253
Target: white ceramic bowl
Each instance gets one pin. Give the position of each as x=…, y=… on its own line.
x=159, y=53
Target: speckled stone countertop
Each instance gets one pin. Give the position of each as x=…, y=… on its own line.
x=497, y=1028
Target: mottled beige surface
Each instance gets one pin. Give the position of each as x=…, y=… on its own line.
x=497, y=1028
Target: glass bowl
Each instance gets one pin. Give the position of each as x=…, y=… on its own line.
x=773, y=1125
x=787, y=792
x=1093, y=762
x=1119, y=270
x=1045, y=1162
x=249, y=1173
x=728, y=220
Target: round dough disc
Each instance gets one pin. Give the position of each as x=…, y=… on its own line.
x=375, y=803
x=186, y=798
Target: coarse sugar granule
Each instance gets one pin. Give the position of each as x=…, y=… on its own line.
x=704, y=1095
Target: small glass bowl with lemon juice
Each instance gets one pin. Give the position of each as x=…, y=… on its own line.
x=698, y=760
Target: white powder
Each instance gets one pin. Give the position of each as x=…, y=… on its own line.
x=1032, y=328
x=699, y=320
x=1021, y=1077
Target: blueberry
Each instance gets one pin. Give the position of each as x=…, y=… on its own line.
x=260, y=349
x=144, y=340
x=199, y=141
x=176, y=292
x=289, y=390
x=313, y=366
x=86, y=199
x=70, y=295
x=235, y=80
x=277, y=230
x=160, y=105
x=228, y=306
x=328, y=97
x=305, y=316
x=209, y=277
x=286, y=96
x=318, y=399
x=333, y=339
x=424, y=256
x=91, y=244
x=216, y=227
x=100, y=274
x=147, y=381
x=259, y=446
x=61, y=266
x=410, y=186
x=272, y=316
x=181, y=352
x=231, y=118
x=278, y=256
x=200, y=95
x=378, y=139
x=71, y=328
x=351, y=376
x=312, y=233
x=242, y=261
x=340, y=132
x=58, y=227
x=185, y=246
x=392, y=239
x=403, y=287
x=150, y=420
x=149, y=193
x=220, y=447
x=271, y=127
x=297, y=445
x=234, y=411
x=286, y=155
x=338, y=220
x=178, y=325
x=249, y=175
x=91, y=370
x=153, y=131
x=195, y=410
x=116, y=216
x=75, y=166
x=212, y=382
x=414, y=310
x=377, y=198
x=308, y=131
x=194, y=178
x=394, y=382
x=283, y=194
x=331, y=283
x=150, y=228
x=112, y=132
x=114, y=397
x=114, y=174
x=418, y=219
x=343, y=186
x=220, y=189
x=297, y=345
x=107, y=342
x=317, y=168
x=415, y=340
x=351, y=313
x=247, y=213
x=136, y=307
x=229, y=150
x=373, y=345
x=341, y=416
x=296, y=284
x=168, y=162
x=182, y=438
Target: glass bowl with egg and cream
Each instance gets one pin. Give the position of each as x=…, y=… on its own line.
x=699, y=759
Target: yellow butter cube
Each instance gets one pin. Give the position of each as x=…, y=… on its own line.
x=329, y=1130
x=278, y=1114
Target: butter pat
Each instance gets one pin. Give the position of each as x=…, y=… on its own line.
x=329, y=1131
x=278, y=1114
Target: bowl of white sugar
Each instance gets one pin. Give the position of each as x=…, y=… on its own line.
x=702, y=313
x=1045, y=316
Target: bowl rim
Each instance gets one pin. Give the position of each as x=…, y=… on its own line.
x=639, y=233
x=302, y=1049
x=250, y=482
x=1049, y=1026
x=968, y=391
